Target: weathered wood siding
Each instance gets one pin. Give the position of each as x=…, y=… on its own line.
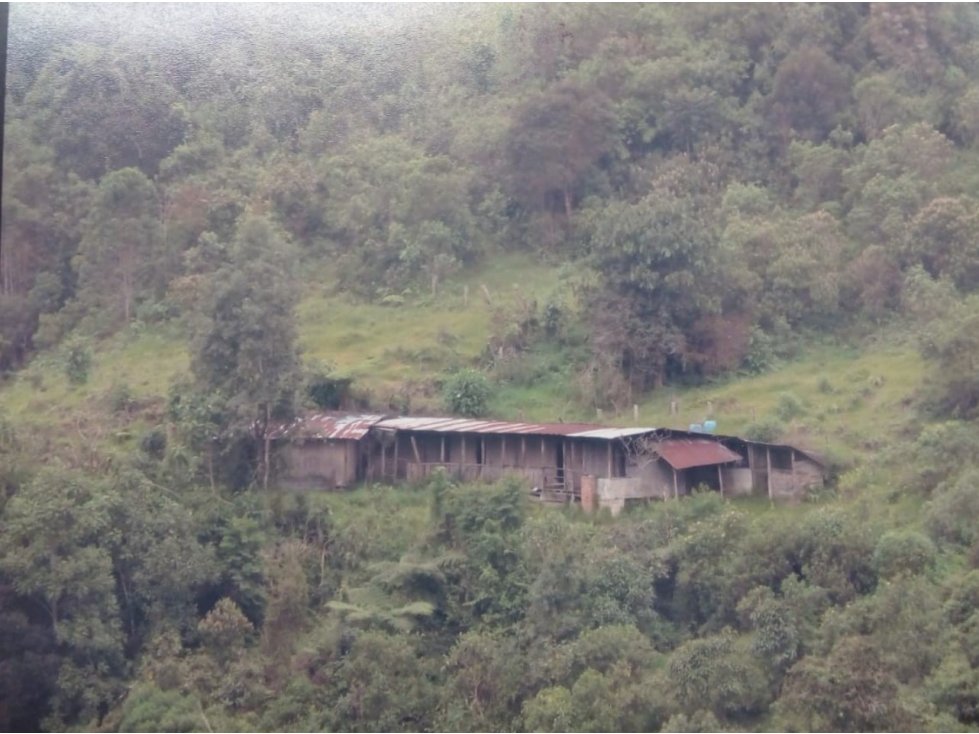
x=792, y=484
x=319, y=464
x=473, y=457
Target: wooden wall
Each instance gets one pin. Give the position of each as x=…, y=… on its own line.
x=318, y=464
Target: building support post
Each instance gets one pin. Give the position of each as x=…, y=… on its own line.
x=676, y=489
x=609, y=445
x=442, y=451
x=720, y=479
x=768, y=473
x=414, y=448
x=396, y=442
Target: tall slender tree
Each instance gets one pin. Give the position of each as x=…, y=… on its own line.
x=244, y=349
x=121, y=238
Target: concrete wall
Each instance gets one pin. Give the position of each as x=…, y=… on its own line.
x=612, y=494
x=656, y=478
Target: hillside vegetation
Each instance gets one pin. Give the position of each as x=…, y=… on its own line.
x=762, y=214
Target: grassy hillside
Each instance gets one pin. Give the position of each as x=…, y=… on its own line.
x=848, y=400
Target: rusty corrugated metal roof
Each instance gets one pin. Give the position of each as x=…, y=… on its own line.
x=469, y=425
x=341, y=426
x=687, y=453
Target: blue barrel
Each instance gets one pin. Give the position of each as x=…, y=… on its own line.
x=710, y=426
x=696, y=428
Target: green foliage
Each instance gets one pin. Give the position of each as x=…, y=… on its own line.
x=239, y=551
x=788, y=407
x=53, y=547
x=78, y=361
x=243, y=351
x=951, y=345
x=467, y=392
x=324, y=388
x=150, y=709
x=852, y=688
x=224, y=629
x=383, y=686
x=716, y=674
x=119, y=257
x=900, y=552
x=950, y=513
x=768, y=430
x=726, y=185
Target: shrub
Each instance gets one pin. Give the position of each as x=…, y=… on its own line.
x=325, y=389
x=78, y=362
x=761, y=355
x=467, y=393
x=154, y=443
x=766, y=429
x=951, y=515
x=789, y=407
x=120, y=398
x=903, y=551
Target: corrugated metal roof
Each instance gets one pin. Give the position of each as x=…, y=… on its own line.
x=687, y=453
x=612, y=433
x=342, y=426
x=469, y=425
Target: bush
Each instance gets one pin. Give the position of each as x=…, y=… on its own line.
x=78, y=362
x=467, y=393
x=325, y=389
x=761, y=355
x=903, y=551
x=154, y=443
x=766, y=429
x=120, y=398
x=789, y=407
x=951, y=515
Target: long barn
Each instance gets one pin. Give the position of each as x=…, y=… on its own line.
x=598, y=465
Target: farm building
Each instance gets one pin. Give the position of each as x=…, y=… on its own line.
x=323, y=450
x=601, y=466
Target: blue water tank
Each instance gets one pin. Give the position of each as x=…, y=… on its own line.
x=710, y=426
x=696, y=428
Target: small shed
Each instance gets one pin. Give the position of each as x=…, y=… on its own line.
x=778, y=471
x=323, y=450
x=664, y=464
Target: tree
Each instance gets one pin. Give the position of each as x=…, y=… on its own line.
x=103, y=109
x=654, y=258
x=852, y=689
x=244, y=349
x=115, y=260
x=52, y=547
x=554, y=140
x=810, y=91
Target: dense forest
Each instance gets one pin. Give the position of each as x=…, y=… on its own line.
x=720, y=186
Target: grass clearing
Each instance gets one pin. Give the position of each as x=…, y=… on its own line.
x=384, y=347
